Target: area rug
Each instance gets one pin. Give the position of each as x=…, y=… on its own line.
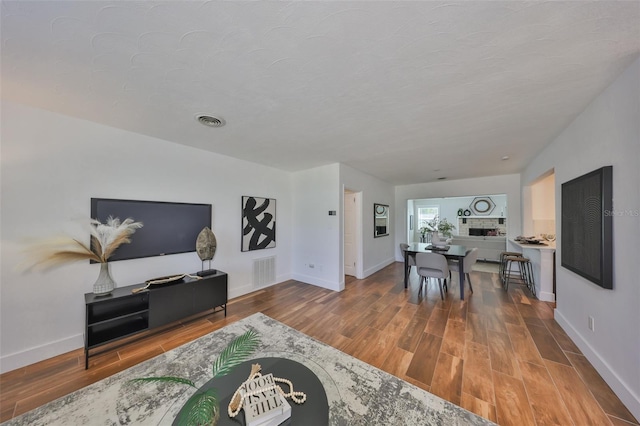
x=358, y=393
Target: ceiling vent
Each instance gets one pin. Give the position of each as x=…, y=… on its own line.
x=210, y=121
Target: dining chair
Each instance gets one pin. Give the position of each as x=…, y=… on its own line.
x=432, y=265
x=411, y=259
x=467, y=264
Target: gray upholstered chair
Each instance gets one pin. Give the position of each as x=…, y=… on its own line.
x=432, y=265
x=411, y=260
x=467, y=264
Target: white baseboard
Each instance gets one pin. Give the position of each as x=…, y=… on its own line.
x=546, y=297
x=39, y=353
x=308, y=279
x=379, y=266
x=619, y=387
x=241, y=291
x=249, y=288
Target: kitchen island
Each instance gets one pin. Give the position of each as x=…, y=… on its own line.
x=542, y=259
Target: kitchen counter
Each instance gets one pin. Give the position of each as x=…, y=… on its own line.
x=542, y=259
x=548, y=245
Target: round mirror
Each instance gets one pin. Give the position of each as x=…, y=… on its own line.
x=482, y=206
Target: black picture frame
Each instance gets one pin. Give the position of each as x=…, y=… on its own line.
x=380, y=220
x=587, y=226
x=258, y=223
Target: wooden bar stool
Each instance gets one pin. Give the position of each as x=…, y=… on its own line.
x=525, y=269
x=503, y=263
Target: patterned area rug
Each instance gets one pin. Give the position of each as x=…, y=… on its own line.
x=358, y=393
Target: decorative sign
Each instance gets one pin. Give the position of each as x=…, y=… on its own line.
x=263, y=403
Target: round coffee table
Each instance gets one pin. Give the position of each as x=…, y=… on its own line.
x=315, y=410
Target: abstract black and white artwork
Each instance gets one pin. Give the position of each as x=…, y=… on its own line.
x=258, y=223
x=587, y=226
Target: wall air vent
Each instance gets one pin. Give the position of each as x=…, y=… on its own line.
x=264, y=271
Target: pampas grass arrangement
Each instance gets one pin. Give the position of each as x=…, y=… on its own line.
x=105, y=239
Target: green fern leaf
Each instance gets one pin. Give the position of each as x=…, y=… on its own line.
x=165, y=379
x=200, y=409
x=237, y=352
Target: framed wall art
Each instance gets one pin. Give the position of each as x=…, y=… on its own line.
x=258, y=223
x=587, y=225
x=482, y=206
x=380, y=220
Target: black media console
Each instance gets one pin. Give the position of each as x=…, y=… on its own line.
x=123, y=313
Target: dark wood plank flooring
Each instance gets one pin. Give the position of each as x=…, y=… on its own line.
x=500, y=355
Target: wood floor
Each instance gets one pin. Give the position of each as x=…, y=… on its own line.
x=499, y=355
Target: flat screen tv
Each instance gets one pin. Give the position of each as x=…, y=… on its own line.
x=169, y=228
x=587, y=225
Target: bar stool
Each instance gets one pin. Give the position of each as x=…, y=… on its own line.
x=503, y=263
x=525, y=269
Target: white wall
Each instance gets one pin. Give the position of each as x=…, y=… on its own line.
x=319, y=238
x=317, y=256
x=52, y=165
x=543, y=206
x=504, y=184
x=411, y=211
x=606, y=133
x=377, y=252
x=543, y=199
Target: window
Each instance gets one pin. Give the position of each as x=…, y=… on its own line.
x=426, y=214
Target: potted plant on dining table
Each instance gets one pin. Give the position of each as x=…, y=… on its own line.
x=443, y=226
x=424, y=232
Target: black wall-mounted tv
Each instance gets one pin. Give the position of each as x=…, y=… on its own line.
x=587, y=226
x=169, y=228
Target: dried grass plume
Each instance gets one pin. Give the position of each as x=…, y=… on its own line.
x=105, y=239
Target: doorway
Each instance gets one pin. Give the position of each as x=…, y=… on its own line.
x=539, y=206
x=352, y=232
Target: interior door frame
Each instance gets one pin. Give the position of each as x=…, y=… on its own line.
x=359, y=245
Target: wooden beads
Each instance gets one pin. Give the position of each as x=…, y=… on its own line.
x=237, y=400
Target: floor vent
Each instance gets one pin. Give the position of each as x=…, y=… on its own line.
x=264, y=271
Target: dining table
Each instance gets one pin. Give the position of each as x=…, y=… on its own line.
x=456, y=252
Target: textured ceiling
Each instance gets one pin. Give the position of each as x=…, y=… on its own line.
x=405, y=91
